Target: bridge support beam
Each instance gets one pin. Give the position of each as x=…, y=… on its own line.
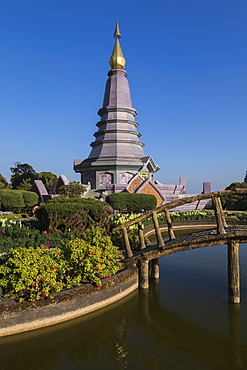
x=141, y=236
x=160, y=240
x=144, y=274
x=127, y=243
x=233, y=272
x=220, y=219
x=155, y=271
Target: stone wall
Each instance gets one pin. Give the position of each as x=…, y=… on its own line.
x=17, y=317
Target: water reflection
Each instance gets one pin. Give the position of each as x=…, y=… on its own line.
x=182, y=322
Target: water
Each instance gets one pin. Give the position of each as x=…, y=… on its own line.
x=183, y=322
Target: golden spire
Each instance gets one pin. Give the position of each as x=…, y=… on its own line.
x=117, y=60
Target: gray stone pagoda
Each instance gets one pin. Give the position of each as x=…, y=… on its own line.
x=117, y=153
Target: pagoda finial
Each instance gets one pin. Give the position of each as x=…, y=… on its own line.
x=117, y=34
x=117, y=60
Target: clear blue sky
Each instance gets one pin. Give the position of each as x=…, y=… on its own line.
x=187, y=68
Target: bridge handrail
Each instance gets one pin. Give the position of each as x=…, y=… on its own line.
x=215, y=196
x=179, y=202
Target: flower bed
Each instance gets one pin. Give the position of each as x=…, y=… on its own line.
x=32, y=273
x=16, y=317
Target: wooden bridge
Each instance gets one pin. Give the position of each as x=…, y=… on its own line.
x=147, y=258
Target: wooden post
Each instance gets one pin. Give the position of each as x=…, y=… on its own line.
x=222, y=213
x=127, y=243
x=155, y=272
x=144, y=274
x=233, y=272
x=219, y=216
x=160, y=241
x=141, y=236
x=169, y=224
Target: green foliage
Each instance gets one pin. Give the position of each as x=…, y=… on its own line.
x=235, y=202
x=93, y=259
x=17, y=200
x=31, y=199
x=48, y=178
x=25, y=184
x=118, y=239
x=131, y=202
x=133, y=235
x=11, y=200
x=32, y=273
x=23, y=176
x=74, y=189
x=14, y=236
x=3, y=182
x=72, y=214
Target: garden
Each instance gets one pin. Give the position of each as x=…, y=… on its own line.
x=69, y=241
x=65, y=245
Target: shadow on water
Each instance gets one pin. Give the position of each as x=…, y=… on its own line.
x=141, y=330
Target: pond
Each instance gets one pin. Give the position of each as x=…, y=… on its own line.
x=183, y=321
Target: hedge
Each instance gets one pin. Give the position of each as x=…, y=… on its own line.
x=30, y=199
x=131, y=202
x=72, y=214
x=17, y=200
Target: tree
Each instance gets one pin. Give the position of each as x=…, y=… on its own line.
x=3, y=182
x=48, y=178
x=23, y=176
x=235, y=202
x=74, y=189
x=25, y=185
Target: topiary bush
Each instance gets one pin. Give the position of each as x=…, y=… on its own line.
x=17, y=200
x=131, y=202
x=11, y=200
x=72, y=214
x=31, y=199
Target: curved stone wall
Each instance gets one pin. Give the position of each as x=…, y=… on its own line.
x=17, y=317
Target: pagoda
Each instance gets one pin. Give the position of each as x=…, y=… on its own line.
x=117, y=154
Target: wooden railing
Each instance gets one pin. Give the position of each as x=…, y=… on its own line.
x=218, y=210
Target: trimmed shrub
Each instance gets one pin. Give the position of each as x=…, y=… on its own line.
x=11, y=200
x=72, y=214
x=31, y=199
x=131, y=202
x=17, y=200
